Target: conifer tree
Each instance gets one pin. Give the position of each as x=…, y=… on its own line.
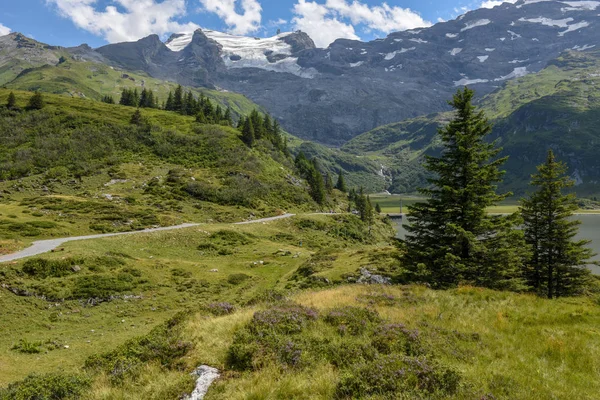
x=248, y=133
x=178, y=99
x=328, y=183
x=36, y=102
x=557, y=266
x=170, y=105
x=108, y=99
x=452, y=239
x=11, y=103
x=136, y=118
x=377, y=208
x=189, y=104
x=341, y=183
x=200, y=117
x=227, y=117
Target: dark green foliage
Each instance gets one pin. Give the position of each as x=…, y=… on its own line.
x=136, y=118
x=11, y=103
x=328, y=183
x=129, y=97
x=164, y=344
x=42, y=268
x=108, y=99
x=451, y=237
x=236, y=279
x=557, y=266
x=341, y=183
x=309, y=170
x=248, y=136
x=388, y=375
x=55, y=386
x=394, y=338
x=36, y=102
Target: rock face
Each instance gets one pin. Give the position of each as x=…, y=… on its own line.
x=331, y=95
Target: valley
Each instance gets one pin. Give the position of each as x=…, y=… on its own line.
x=203, y=214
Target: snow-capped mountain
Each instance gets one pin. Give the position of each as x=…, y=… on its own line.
x=333, y=94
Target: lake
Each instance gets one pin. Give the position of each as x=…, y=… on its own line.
x=589, y=229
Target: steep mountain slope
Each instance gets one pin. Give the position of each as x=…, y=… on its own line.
x=558, y=108
x=331, y=95
x=26, y=64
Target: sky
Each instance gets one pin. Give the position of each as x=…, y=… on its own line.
x=99, y=22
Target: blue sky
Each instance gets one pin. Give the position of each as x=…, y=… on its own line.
x=98, y=22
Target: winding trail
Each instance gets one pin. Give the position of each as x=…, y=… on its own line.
x=44, y=246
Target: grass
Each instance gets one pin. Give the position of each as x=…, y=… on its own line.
x=173, y=273
x=484, y=336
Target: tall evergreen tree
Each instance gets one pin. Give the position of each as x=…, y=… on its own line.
x=377, y=208
x=36, y=102
x=248, y=133
x=557, y=266
x=136, y=118
x=108, y=99
x=451, y=237
x=328, y=183
x=170, y=104
x=178, y=99
x=227, y=117
x=341, y=183
x=12, y=101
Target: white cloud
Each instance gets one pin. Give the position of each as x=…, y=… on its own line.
x=239, y=24
x=329, y=21
x=138, y=19
x=4, y=30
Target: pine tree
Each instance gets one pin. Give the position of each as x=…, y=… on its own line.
x=451, y=237
x=248, y=133
x=377, y=208
x=170, y=105
x=189, y=104
x=136, y=118
x=316, y=183
x=36, y=102
x=200, y=117
x=108, y=99
x=178, y=99
x=11, y=103
x=557, y=266
x=341, y=184
x=328, y=183
x=227, y=117
x=143, y=102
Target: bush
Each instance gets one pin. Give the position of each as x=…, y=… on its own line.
x=236, y=279
x=220, y=309
x=286, y=319
x=42, y=268
x=102, y=287
x=55, y=386
x=26, y=347
x=352, y=320
x=390, y=374
x=396, y=338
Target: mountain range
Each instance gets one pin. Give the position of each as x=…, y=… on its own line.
x=370, y=109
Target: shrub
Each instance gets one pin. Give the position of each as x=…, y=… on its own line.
x=27, y=347
x=55, y=386
x=352, y=320
x=42, y=268
x=390, y=374
x=396, y=338
x=102, y=286
x=286, y=319
x=236, y=279
x=219, y=309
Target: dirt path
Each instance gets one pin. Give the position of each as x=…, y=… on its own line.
x=44, y=246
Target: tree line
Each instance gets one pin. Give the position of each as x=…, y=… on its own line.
x=452, y=240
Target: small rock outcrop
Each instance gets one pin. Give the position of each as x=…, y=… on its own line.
x=206, y=376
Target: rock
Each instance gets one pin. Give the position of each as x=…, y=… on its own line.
x=214, y=270
x=367, y=277
x=76, y=268
x=206, y=376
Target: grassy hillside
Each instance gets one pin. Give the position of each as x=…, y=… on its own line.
x=79, y=166
x=556, y=108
